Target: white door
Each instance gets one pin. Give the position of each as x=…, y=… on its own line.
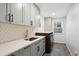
x=48, y=24
x=16, y=13
x=2, y=12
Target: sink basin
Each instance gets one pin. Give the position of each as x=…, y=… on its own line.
x=31, y=39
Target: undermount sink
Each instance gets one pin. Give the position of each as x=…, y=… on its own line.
x=31, y=39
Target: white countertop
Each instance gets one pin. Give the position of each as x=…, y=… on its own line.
x=44, y=32
x=10, y=47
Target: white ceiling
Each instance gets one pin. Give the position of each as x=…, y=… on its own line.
x=61, y=9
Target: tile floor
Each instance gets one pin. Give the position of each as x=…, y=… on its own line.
x=58, y=50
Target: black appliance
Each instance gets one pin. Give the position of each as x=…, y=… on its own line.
x=47, y=41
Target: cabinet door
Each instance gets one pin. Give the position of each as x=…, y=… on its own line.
x=34, y=15
x=16, y=13
x=26, y=13
x=2, y=12
x=37, y=17
x=34, y=50
x=27, y=51
x=23, y=52
x=37, y=48
x=43, y=46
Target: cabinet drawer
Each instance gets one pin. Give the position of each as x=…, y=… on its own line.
x=36, y=43
x=22, y=52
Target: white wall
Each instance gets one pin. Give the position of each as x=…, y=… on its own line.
x=72, y=39
x=10, y=32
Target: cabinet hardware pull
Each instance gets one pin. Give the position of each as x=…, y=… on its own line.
x=9, y=17
x=12, y=17
x=31, y=22
x=38, y=48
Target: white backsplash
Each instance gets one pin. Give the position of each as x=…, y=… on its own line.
x=9, y=32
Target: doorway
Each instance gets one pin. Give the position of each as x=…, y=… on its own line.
x=48, y=24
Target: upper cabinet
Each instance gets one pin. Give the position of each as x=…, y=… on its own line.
x=15, y=13
x=2, y=12
x=20, y=13
x=35, y=15
x=31, y=14
x=26, y=13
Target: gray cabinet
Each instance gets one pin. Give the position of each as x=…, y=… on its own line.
x=2, y=12
x=20, y=13
x=14, y=13
x=35, y=15
x=35, y=49
x=31, y=14
x=26, y=51
x=42, y=47
x=26, y=13
x=38, y=48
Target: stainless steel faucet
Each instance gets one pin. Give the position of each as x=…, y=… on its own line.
x=26, y=34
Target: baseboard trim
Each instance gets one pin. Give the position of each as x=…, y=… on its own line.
x=69, y=50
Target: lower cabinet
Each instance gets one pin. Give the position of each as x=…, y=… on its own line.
x=36, y=49
x=42, y=47
x=22, y=52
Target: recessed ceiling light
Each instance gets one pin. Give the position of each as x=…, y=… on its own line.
x=53, y=14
